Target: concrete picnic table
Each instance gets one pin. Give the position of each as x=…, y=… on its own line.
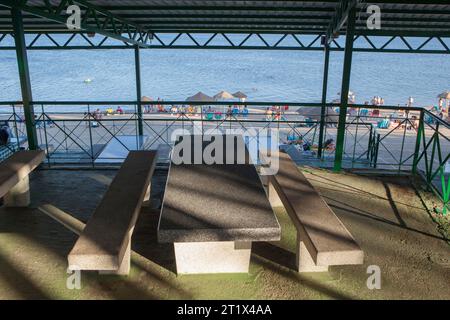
x=212, y=213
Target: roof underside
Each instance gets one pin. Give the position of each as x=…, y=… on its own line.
x=398, y=17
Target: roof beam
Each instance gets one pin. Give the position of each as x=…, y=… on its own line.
x=235, y=8
x=95, y=19
x=340, y=18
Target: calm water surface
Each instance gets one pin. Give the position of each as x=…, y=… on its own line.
x=262, y=75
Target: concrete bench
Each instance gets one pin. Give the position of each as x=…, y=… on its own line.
x=322, y=239
x=14, y=180
x=105, y=243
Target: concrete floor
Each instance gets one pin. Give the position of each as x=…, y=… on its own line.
x=386, y=216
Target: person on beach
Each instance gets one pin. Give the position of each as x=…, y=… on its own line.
x=229, y=112
x=245, y=112
x=415, y=122
x=209, y=113
x=374, y=101
x=97, y=114
x=235, y=111
x=277, y=114
x=5, y=134
x=119, y=110
x=441, y=104
x=268, y=114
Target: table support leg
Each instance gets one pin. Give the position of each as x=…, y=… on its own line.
x=212, y=257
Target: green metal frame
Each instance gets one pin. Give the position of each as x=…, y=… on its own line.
x=430, y=172
x=340, y=18
x=24, y=74
x=286, y=41
x=345, y=89
x=324, y=99
x=94, y=19
x=137, y=64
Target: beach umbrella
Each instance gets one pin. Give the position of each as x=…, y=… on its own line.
x=223, y=95
x=314, y=113
x=444, y=95
x=200, y=96
x=145, y=98
x=240, y=95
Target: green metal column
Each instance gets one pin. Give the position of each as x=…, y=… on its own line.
x=24, y=74
x=137, y=63
x=345, y=89
x=324, y=99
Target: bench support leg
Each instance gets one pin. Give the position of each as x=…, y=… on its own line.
x=304, y=261
x=212, y=257
x=146, y=201
x=125, y=265
x=264, y=180
x=19, y=195
x=274, y=199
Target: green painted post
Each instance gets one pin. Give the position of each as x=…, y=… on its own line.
x=324, y=99
x=24, y=74
x=445, y=191
x=345, y=89
x=137, y=64
x=420, y=132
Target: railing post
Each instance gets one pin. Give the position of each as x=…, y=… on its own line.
x=377, y=147
x=345, y=89
x=24, y=74
x=90, y=135
x=16, y=130
x=45, y=133
x=324, y=99
x=420, y=132
x=369, y=147
x=137, y=64
x=433, y=153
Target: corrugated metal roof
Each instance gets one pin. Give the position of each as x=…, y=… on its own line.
x=398, y=17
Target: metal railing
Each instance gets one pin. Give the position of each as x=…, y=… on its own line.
x=389, y=138
x=432, y=154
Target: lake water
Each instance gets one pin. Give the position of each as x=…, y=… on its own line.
x=294, y=76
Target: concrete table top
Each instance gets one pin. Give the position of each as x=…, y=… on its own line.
x=218, y=202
